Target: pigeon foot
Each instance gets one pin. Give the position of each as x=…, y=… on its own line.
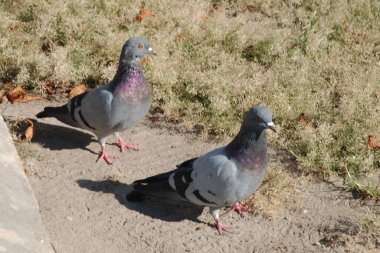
x=106, y=157
x=240, y=209
x=123, y=145
x=221, y=228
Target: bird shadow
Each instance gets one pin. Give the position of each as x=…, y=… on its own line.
x=56, y=137
x=166, y=211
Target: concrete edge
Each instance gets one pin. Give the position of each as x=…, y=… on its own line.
x=21, y=227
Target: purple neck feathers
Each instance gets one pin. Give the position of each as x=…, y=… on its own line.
x=249, y=148
x=130, y=82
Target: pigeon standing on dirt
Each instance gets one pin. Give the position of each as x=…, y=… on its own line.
x=114, y=107
x=219, y=178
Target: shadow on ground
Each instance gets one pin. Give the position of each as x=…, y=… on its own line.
x=56, y=137
x=151, y=207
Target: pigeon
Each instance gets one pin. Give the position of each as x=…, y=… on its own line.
x=220, y=178
x=114, y=107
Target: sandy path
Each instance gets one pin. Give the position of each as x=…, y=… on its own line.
x=84, y=209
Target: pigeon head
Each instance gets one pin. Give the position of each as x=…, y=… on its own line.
x=134, y=49
x=259, y=118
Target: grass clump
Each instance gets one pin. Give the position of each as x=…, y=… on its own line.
x=216, y=59
x=260, y=52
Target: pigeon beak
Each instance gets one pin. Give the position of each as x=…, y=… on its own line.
x=151, y=51
x=271, y=126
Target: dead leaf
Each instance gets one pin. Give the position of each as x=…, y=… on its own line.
x=77, y=91
x=373, y=144
x=144, y=13
x=302, y=120
x=253, y=8
x=4, y=90
x=180, y=37
x=49, y=89
x=29, y=132
x=19, y=95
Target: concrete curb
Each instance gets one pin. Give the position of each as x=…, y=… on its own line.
x=21, y=228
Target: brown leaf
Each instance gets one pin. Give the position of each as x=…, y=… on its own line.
x=49, y=89
x=77, y=91
x=29, y=132
x=180, y=37
x=19, y=95
x=373, y=144
x=253, y=8
x=3, y=90
x=16, y=94
x=302, y=120
x=144, y=13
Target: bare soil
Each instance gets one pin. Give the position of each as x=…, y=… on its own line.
x=83, y=205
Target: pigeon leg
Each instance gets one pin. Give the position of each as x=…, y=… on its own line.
x=103, y=155
x=218, y=224
x=221, y=228
x=106, y=157
x=122, y=144
x=240, y=209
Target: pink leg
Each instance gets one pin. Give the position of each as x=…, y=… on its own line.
x=221, y=228
x=240, y=209
x=105, y=156
x=123, y=145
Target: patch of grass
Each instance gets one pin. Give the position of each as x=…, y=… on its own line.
x=260, y=52
x=320, y=58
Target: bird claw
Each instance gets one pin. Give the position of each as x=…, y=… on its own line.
x=240, y=209
x=106, y=157
x=222, y=228
x=123, y=145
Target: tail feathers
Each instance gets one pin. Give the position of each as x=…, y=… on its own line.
x=156, y=187
x=52, y=112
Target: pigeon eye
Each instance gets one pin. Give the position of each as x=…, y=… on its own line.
x=140, y=45
x=258, y=118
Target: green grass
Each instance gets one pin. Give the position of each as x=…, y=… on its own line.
x=320, y=58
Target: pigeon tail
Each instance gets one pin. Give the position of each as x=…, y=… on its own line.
x=61, y=113
x=159, y=186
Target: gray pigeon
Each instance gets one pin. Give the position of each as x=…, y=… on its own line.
x=114, y=107
x=219, y=178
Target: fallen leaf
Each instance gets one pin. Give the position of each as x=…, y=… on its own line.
x=180, y=37
x=253, y=8
x=302, y=120
x=77, y=91
x=3, y=90
x=49, y=89
x=29, y=132
x=373, y=144
x=144, y=13
x=19, y=95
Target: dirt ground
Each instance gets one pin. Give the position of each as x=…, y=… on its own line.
x=84, y=209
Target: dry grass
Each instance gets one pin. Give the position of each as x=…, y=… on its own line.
x=218, y=58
